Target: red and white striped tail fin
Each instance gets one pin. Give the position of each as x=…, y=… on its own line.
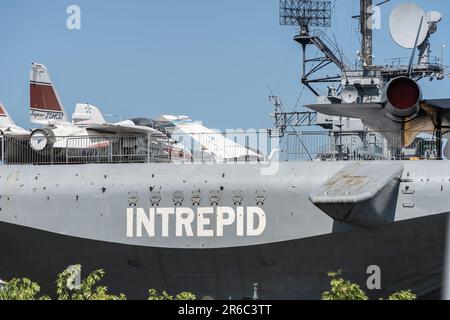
x=45, y=105
x=5, y=119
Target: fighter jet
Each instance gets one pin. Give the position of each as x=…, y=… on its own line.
x=7, y=125
x=210, y=144
x=13, y=138
x=402, y=109
x=88, y=129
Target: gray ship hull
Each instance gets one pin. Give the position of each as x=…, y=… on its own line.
x=409, y=254
x=103, y=216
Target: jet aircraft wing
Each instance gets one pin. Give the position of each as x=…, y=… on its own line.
x=123, y=128
x=217, y=145
x=354, y=110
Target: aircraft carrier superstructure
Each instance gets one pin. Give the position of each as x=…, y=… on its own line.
x=275, y=212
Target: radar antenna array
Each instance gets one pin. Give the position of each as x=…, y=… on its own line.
x=305, y=13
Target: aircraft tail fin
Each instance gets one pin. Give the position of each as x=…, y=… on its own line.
x=45, y=104
x=86, y=114
x=5, y=119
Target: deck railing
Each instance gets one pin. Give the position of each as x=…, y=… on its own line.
x=229, y=147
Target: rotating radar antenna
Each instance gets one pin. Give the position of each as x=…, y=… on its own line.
x=305, y=14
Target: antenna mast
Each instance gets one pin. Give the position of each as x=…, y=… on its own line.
x=366, y=32
x=309, y=14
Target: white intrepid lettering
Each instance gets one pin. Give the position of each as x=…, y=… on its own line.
x=250, y=221
x=148, y=222
x=130, y=213
x=240, y=222
x=251, y=230
x=184, y=219
x=222, y=221
x=165, y=212
x=203, y=221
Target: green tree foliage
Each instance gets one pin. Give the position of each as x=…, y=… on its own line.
x=154, y=295
x=21, y=289
x=345, y=290
x=66, y=289
x=88, y=289
x=403, y=295
x=69, y=286
x=185, y=296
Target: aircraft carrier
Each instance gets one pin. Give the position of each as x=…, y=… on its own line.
x=220, y=218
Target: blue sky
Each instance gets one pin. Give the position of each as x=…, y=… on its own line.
x=210, y=59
